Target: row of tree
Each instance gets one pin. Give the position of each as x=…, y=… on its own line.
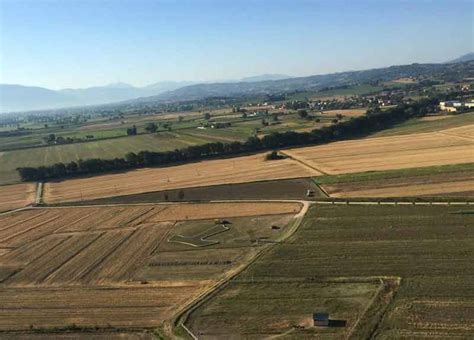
x=356, y=127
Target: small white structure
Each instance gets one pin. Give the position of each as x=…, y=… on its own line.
x=469, y=104
x=451, y=105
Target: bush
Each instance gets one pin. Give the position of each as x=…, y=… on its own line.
x=273, y=156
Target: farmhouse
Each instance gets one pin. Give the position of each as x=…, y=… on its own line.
x=321, y=319
x=450, y=105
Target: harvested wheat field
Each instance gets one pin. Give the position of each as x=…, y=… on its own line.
x=223, y=171
x=452, y=184
x=461, y=131
x=16, y=196
x=386, y=153
x=347, y=112
x=179, y=212
x=96, y=266
x=119, y=307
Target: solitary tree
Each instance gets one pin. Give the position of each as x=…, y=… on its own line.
x=132, y=131
x=151, y=127
x=51, y=138
x=207, y=116
x=303, y=113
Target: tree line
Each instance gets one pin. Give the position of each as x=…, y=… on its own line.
x=375, y=120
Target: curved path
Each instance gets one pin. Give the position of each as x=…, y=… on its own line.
x=208, y=293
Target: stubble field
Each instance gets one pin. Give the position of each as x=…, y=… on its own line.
x=453, y=146
x=457, y=184
x=429, y=248
x=16, y=196
x=114, y=267
x=213, y=172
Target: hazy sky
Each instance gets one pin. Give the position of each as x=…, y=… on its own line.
x=79, y=43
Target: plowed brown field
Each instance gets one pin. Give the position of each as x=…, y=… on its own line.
x=16, y=196
x=214, y=172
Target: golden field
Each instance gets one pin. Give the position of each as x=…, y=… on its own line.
x=113, y=266
x=453, y=146
x=16, y=196
x=223, y=171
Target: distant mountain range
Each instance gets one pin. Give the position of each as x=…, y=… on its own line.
x=446, y=71
x=463, y=58
x=25, y=98
x=265, y=77
x=28, y=98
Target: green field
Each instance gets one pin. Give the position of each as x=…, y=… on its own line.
x=351, y=91
x=429, y=248
x=262, y=309
x=107, y=149
x=183, y=134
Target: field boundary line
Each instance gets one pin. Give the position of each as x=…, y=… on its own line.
x=451, y=134
x=377, y=293
x=39, y=193
x=321, y=188
x=80, y=250
x=380, y=314
x=304, y=163
x=183, y=316
x=326, y=202
x=83, y=276
x=13, y=210
x=189, y=332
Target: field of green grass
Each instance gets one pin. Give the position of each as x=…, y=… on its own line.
x=429, y=248
x=351, y=91
x=102, y=128
x=107, y=146
x=263, y=309
x=107, y=149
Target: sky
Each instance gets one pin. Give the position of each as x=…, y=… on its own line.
x=81, y=43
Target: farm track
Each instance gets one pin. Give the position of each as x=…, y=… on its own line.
x=181, y=319
x=305, y=164
x=39, y=193
x=325, y=202
x=187, y=306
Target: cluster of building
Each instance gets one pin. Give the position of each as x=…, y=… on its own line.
x=455, y=105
